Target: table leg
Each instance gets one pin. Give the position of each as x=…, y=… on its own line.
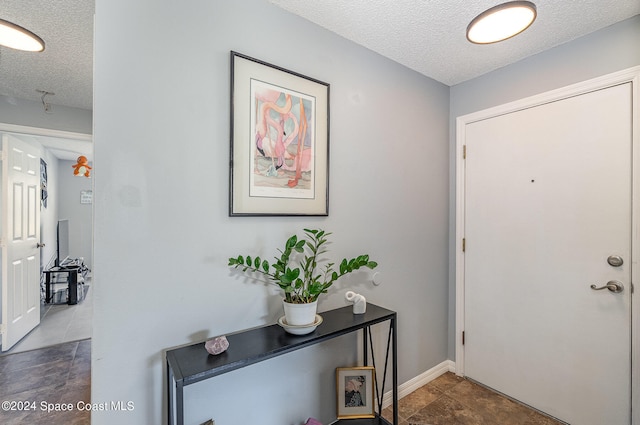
x=394, y=372
x=170, y=384
x=179, y=403
x=72, y=279
x=47, y=284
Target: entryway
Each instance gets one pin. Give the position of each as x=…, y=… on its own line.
x=545, y=228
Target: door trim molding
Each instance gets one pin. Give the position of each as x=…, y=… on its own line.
x=37, y=131
x=631, y=75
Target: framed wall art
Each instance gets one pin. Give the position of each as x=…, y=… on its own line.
x=44, y=194
x=279, y=161
x=354, y=388
x=86, y=196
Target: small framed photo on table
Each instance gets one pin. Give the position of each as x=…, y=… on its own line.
x=354, y=389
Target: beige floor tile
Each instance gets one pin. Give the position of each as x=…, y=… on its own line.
x=452, y=400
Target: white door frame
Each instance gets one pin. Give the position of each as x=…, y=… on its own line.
x=629, y=75
x=37, y=131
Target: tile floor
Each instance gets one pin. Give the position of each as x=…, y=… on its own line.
x=451, y=400
x=59, y=323
x=57, y=375
x=51, y=365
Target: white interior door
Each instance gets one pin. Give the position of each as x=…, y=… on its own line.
x=547, y=203
x=20, y=239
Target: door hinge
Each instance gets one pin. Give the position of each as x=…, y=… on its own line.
x=464, y=151
x=464, y=244
x=462, y=337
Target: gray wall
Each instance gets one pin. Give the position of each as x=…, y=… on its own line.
x=31, y=114
x=79, y=215
x=163, y=236
x=603, y=52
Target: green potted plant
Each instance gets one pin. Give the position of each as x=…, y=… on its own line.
x=298, y=271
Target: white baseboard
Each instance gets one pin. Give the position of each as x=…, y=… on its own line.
x=419, y=381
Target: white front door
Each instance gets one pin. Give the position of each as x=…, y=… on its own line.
x=20, y=239
x=548, y=210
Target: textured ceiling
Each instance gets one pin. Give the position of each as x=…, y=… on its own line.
x=66, y=65
x=429, y=36
x=425, y=35
x=64, y=68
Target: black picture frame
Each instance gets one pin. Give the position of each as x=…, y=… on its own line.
x=279, y=153
x=44, y=194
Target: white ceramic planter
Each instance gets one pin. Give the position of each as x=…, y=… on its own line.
x=300, y=314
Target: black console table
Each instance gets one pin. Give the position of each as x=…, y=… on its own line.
x=190, y=364
x=71, y=279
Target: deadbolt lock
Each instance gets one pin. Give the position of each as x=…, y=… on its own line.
x=615, y=261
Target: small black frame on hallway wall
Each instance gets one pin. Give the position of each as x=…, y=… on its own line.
x=44, y=194
x=279, y=156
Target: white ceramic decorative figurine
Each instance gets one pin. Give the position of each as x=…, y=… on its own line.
x=359, y=302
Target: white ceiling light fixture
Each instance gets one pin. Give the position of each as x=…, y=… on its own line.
x=16, y=37
x=501, y=22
